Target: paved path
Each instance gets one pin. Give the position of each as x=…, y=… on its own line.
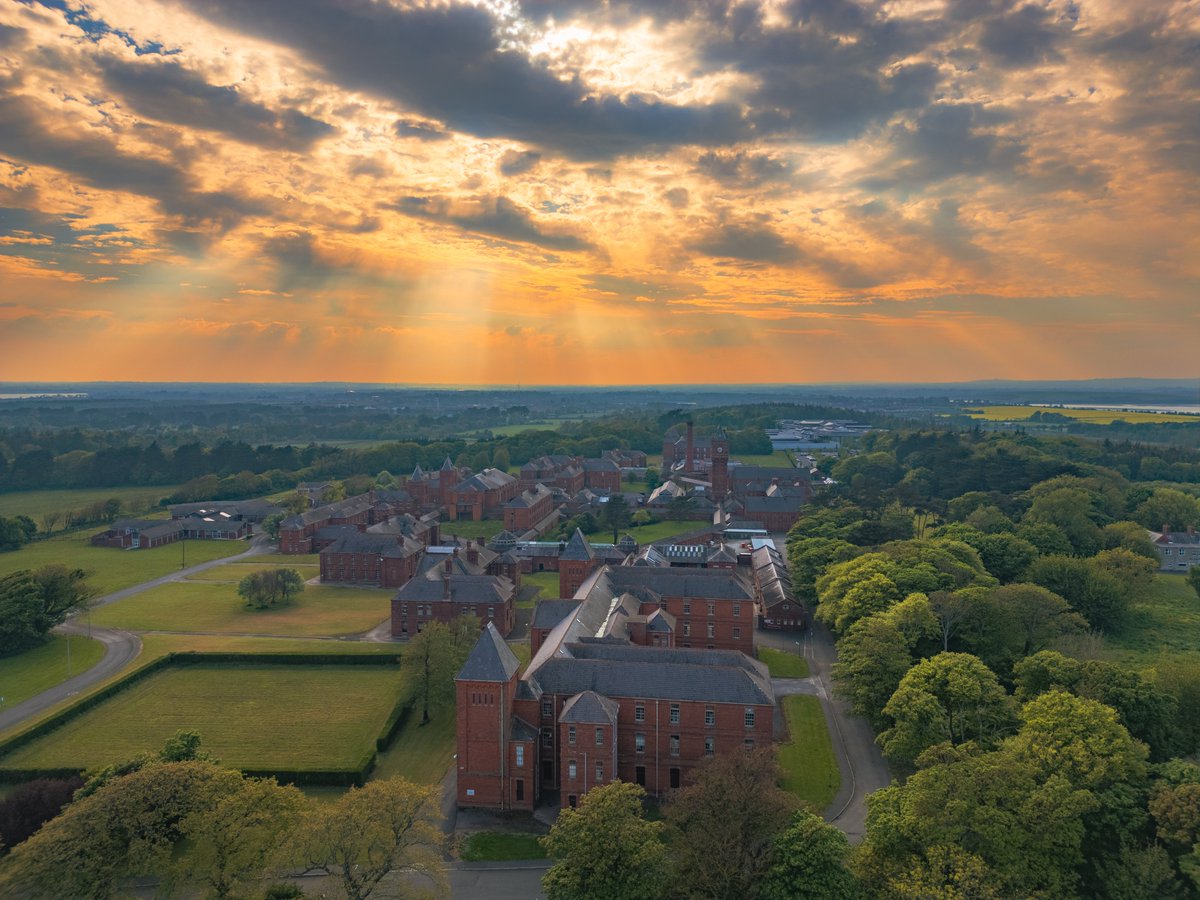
x=120, y=647
x=860, y=763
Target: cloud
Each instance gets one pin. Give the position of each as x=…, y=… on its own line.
x=168, y=92
x=742, y=168
x=416, y=128
x=677, y=197
x=497, y=217
x=518, y=162
x=753, y=243
x=446, y=63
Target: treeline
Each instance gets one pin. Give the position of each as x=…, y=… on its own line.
x=971, y=580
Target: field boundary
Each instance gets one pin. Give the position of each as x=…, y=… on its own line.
x=357, y=775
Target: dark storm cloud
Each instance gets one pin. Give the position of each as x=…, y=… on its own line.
x=946, y=141
x=742, y=168
x=170, y=93
x=496, y=217
x=516, y=162
x=97, y=161
x=752, y=243
x=1025, y=36
x=425, y=131
x=445, y=63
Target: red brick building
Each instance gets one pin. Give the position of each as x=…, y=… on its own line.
x=576, y=562
x=601, y=475
x=481, y=496
x=432, y=489
x=454, y=583
x=555, y=471
x=524, y=511
x=375, y=560
x=778, y=607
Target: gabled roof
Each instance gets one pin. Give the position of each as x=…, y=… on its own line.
x=577, y=548
x=590, y=708
x=490, y=659
x=447, y=466
x=548, y=613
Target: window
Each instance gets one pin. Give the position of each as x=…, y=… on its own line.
x=737, y=609
x=710, y=746
x=710, y=716
x=687, y=629
x=674, y=745
x=599, y=737
x=639, y=743
x=710, y=630
x=712, y=609
x=748, y=743
x=520, y=789
x=639, y=713
x=520, y=756
x=571, y=770
x=491, y=611
x=674, y=713
x=404, y=609
x=599, y=771
x=547, y=709
x=547, y=738
x=737, y=633
x=687, y=609
x=674, y=778
x=570, y=734
x=749, y=717
x=464, y=609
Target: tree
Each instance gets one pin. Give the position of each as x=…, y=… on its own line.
x=32, y=804
x=434, y=656
x=16, y=532
x=501, y=459
x=385, y=827
x=810, y=862
x=237, y=831
x=615, y=515
x=33, y=602
x=49, y=520
x=1193, y=578
x=725, y=824
x=1073, y=510
x=271, y=525
x=1168, y=507
x=947, y=873
x=1031, y=617
x=1092, y=592
x=269, y=587
x=950, y=697
x=605, y=849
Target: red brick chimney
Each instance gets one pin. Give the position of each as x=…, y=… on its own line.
x=691, y=448
x=447, y=566
x=1166, y=529
x=472, y=552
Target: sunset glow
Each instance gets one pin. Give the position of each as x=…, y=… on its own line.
x=585, y=193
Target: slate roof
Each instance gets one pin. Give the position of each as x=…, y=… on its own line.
x=589, y=708
x=149, y=527
x=522, y=731
x=548, y=613
x=702, y=584
x=487, y=480
x=389, y=545
x=529, y=498
x=577, y=548
x=490, y=659
x=661, y=621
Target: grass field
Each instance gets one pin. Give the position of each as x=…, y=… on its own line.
x=36, y=504
x=500, y=846
x=420, y=753
x=1167, y=622
x=465, y=528
x=204, y=607
x=646, y=534
x=239, y=570
x=809, y=768
x=110, y=570
x=43, y=667
x=1091, y=416
x=783, y=665
x=777, y=459
x=547, y=581
x=250, y=717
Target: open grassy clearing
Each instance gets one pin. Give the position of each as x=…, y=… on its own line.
x=111, y=570
x=778, y=459
x=520, y=650
x=239, y=570
x=499, y=846
x=1091, y=416
x=783, y=665
x=465, y=528
x=43, y=667
x=1166, y=623
x=250, y=717
x=420, y=753
x=646, y=534
x=546, y=581
x=36, y=504
x=196, y=606
x=809, y=768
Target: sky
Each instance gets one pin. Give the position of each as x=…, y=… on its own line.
x=547, y=192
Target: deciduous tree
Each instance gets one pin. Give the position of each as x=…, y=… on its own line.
x=810, y=863
x=605, y=849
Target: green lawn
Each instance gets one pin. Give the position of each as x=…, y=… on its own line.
x=250, y=717
x=648, y=534
x=809, y=768
x=43, y=667
x=156, y=645
x=520, y=650
x=547, y=581
x=777, y=459
x=465, y=528
x=319, y=610
x=420, y=753
x=498, y=846
x=110, y=569
x=783, y=665
x=36, y=504
x=239, y=570
x=1167, y=622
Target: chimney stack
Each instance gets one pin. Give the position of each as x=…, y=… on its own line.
x=472, y=552
x=1166, y=529
x=691, y=444
x=446, y=585
x=447, y=566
